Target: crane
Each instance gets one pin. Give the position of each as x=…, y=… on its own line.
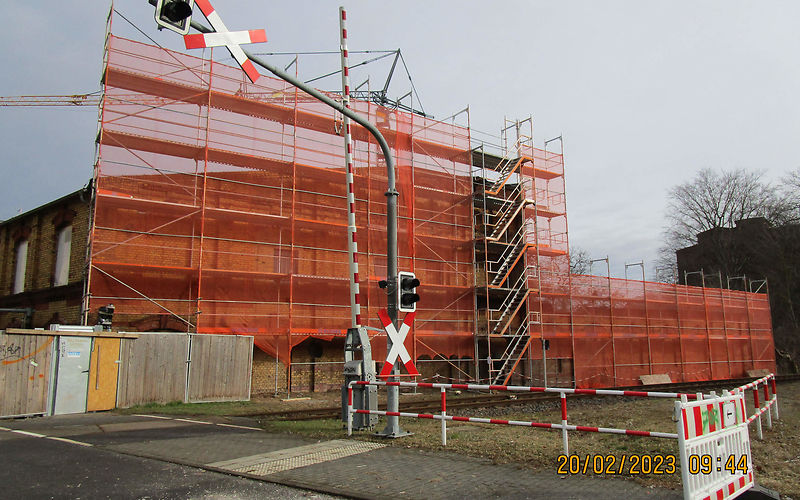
x=92, y=99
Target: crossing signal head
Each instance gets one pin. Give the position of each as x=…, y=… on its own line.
x=105, y=315
x=174, y=15
x=407, y=297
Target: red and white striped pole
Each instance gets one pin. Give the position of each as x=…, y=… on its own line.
x=767, y=402
x=759, y=430
x=444, y=416
x=352, y=246
x=350, y=410
x=564, y=436
x=775, y=396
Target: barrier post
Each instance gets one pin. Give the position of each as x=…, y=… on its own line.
x=767, y=402
x=349, y=410
x=682, y=450
x=444, y=414
x=564, y=435
x=775, y=395
x=759, y=430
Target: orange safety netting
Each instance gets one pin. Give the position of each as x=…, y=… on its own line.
x=221, y=207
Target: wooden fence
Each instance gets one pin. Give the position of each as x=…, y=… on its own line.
x=153, y=368
x=25, y=374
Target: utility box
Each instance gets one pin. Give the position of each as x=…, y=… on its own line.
x=364, y=397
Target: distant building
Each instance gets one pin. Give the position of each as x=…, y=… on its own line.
x=43, y=263
x=742, y=257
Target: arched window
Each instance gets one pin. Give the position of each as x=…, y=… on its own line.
x=21, y=261
x=63, y=250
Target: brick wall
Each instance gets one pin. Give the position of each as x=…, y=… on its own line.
x=264, y=373
x=40, y=227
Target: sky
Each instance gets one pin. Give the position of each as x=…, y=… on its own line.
x=643, y=93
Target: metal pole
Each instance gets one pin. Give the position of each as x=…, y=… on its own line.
x=646, y=322
x=393, y=396
x=544, y=359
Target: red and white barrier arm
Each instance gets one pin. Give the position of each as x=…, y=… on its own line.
x=756, y=383
x=352, y=241
x=761, y=411
x=520, y=423
x=514, y=388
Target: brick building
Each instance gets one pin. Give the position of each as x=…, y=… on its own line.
x=43, y=262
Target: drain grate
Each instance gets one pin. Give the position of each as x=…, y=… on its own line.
x=293, y=458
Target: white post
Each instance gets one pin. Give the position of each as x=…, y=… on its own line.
x=766, y=403
x=759, y=430
x=349, y=410
x=685, y=476
x=775, y=397
x=444, y=414
x=564, y=433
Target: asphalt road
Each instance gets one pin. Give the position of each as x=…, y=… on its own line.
x=34, y=468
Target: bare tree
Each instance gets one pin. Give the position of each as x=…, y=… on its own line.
x=578, y=260
x=791, y=193
x=763, y=248
x=717, y=199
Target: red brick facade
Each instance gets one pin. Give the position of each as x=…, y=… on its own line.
x=50, y=304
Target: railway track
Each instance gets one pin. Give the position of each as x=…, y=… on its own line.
x=469, y=400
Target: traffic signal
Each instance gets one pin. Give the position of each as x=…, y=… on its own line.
x=105, y=315
x=175, y=15
x=407, y=297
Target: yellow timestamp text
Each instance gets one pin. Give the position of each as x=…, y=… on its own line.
x=707, y=464
x=613, y=464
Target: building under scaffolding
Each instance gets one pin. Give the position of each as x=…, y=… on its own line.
x=221, y=207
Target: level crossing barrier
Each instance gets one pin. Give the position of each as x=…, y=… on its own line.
x=563, y=426
x=712, y=431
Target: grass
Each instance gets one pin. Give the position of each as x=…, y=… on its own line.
x=776, y=459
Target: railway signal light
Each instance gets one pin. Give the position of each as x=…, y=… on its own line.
x=407, y=297
x=174, y=15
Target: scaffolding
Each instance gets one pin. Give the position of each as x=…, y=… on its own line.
x=224, y=210
x=542, y=324
x=221, y=207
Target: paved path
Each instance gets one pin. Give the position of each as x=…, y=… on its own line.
x=346, y=467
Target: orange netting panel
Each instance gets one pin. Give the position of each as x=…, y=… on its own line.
x=221, y=207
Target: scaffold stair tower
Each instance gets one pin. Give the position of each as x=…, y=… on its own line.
x=502, y=238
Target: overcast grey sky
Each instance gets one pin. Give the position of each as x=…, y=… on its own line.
x=644, y=93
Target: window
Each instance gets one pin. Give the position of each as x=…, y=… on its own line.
x=19, y=270
x=63, y=247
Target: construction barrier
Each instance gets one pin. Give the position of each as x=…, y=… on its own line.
x=714, y=445
x=564, y=426
x=770, y=407
x=712, y=431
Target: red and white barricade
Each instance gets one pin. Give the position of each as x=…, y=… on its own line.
x=563, y=426
x=770, y=407
x=714, y=446
x=713, y=437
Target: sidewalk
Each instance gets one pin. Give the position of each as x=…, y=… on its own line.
x=345, y=467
